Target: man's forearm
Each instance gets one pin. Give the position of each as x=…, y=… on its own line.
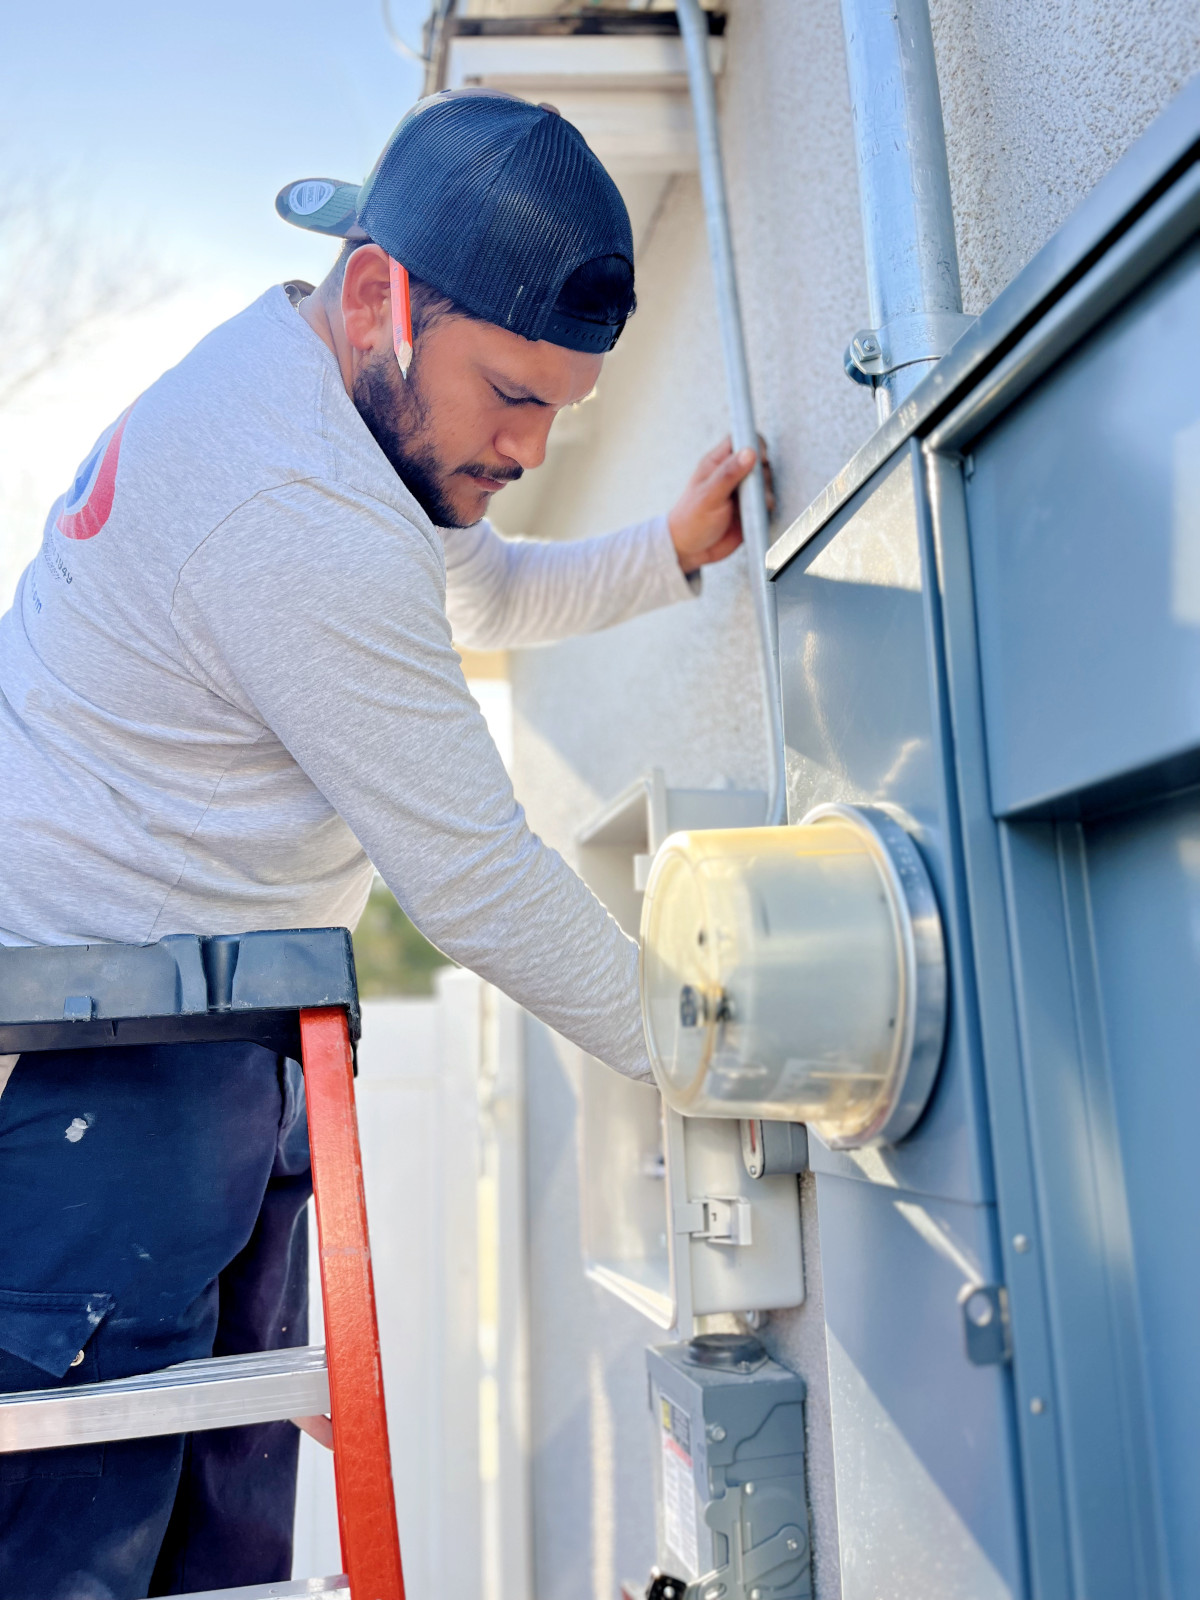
x=504, y=593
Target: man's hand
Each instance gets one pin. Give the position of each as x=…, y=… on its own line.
x=705, y=523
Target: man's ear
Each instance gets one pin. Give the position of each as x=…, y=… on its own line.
x=366, y=300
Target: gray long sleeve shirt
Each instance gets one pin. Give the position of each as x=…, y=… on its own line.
x=227, y=686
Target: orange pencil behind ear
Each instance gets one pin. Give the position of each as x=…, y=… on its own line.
x=402, y=334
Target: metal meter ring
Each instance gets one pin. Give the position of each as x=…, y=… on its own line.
x=796, y=974
x=918, y=924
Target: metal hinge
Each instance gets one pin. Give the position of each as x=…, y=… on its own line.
x=721, y=1219
x=985, y=1323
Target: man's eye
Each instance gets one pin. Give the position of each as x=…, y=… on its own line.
x=509, y=399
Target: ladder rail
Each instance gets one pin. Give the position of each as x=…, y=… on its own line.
x=362, y=1458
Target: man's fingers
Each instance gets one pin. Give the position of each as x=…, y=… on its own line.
x=721, y=458
x=714, y=457
x=722, y=481
x=711, y=461
x=705, y=524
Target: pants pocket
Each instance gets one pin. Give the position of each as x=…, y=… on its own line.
x=46, y=1343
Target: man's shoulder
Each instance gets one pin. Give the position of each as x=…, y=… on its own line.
x=237, y=413
x=247, y=401
x=256, y=405
x=267, y=396
x=251, y=441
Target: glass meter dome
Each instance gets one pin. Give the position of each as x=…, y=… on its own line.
x=797, y=974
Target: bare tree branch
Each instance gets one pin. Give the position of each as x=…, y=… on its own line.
x=64, y=279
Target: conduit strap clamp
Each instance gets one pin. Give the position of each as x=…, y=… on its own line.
x=922, y=336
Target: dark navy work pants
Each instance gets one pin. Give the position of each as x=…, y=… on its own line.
x=151, y=1211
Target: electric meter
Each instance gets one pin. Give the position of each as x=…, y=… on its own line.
x=796, y=974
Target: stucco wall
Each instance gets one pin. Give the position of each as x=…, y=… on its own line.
x=1041, y=96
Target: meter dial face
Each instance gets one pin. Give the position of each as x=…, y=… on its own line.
x=796, y=974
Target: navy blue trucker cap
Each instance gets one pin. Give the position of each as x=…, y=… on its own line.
x=494, y=203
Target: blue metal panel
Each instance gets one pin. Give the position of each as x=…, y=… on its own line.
x=923, y=1440
x=860, y=691
x=1103, y=919
x=924, y=1476
x=1082, y=1235
x=1083, y=505
x=1085, y=510
x=998, y=1049
x=1143, y=879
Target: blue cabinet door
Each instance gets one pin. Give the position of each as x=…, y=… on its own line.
x=1081, y=508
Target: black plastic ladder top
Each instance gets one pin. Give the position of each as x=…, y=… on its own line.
x=249, y=986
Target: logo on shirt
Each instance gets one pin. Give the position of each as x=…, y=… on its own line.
x=89, y=500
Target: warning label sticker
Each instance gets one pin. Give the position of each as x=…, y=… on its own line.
x=679, y=1492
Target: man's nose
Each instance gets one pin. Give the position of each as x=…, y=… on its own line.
x=524, y=439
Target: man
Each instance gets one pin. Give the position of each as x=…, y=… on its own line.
x=227, y=688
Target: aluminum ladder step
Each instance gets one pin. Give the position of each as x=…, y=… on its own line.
x=296, y=1589
x=221, y=1392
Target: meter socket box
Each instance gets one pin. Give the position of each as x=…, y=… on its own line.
x=673, y=1224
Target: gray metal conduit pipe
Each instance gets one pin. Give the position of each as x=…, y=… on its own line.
x=904, y=190
x=752, y=500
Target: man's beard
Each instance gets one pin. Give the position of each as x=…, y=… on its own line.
x=395, y=411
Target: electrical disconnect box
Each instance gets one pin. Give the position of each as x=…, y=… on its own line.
x=674, y=1222
x=729, y=1469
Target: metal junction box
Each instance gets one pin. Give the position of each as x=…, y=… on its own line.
x=990, y=628
x=729, y=1470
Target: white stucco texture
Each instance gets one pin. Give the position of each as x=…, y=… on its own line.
x=1039, y=99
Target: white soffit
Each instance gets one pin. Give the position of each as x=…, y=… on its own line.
x=627, y=95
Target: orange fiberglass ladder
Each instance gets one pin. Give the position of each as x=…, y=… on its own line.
x=294, y=992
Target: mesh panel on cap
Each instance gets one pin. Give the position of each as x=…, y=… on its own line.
x=495, y=203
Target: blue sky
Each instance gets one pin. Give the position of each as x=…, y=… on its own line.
x=179, y=124
x=190, y=118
